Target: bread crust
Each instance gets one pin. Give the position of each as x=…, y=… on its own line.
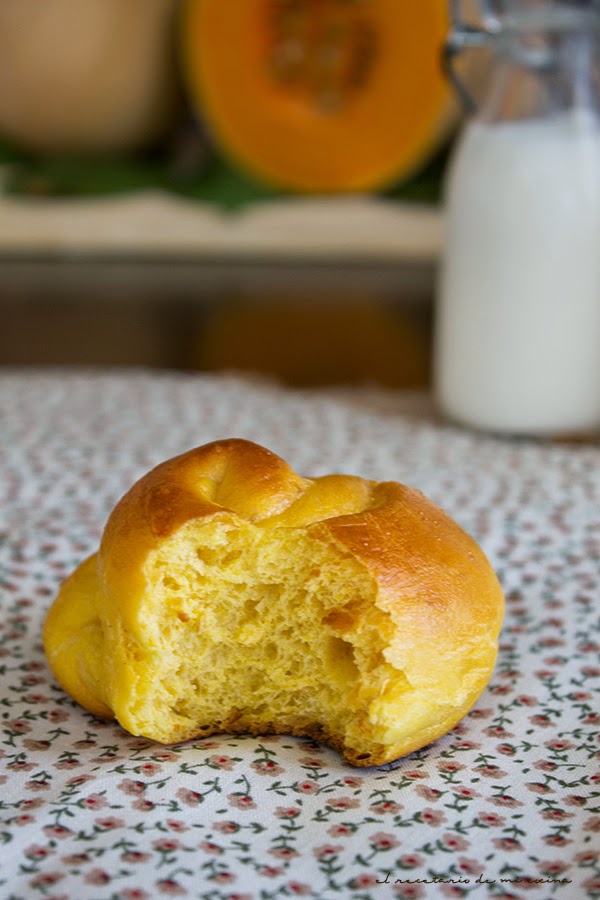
x=434, y=581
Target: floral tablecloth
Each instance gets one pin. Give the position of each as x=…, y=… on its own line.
x=506, y=806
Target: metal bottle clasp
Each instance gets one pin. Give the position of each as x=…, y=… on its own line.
x=462, y=37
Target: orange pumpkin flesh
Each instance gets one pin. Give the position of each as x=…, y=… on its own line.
x=320, y=95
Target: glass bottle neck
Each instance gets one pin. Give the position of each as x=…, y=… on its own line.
x=539, y=72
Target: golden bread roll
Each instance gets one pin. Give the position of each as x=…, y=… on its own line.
x=231, y=595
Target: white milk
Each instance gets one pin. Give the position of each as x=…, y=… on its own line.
x=518, y=319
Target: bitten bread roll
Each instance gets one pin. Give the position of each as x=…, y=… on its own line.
x=231, y=595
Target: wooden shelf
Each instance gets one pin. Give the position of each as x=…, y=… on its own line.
x=163, y=227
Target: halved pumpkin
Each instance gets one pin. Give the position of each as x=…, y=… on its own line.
x=321, y=95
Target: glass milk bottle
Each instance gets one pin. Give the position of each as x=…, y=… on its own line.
x=517, y=336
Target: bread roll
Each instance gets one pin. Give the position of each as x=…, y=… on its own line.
x=231, y=595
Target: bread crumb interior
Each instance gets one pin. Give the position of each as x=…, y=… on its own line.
x=246, y=628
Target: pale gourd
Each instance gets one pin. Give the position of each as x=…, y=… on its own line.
x=89, y=76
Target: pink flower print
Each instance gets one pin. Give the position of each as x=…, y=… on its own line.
x=341, y=803
x=211, y=848
x=57, y=831
x=491, y=771
x=491, y=819
x=311, y=762
x=287, y=812
x=538, y=787
x=70, y=763
x=500, y=690
x=226, y=827
x=176, y=825
x=451, y=890
x=109, y=822
x=592, y=824
x=190, y=798
x=46, y=879
x=266, y=767
x=556, y=840
x=552, y=868
x=140, y=744
x=555, y=815
x=575, y=800
x=592, y=885
x=24, y=819
x=270, y=871
x=97, y=876
x=283, y=852
x=75, y=859
x=506, y=749
x=170, y=887
x=33, y=665
x=428, y=793
x=299, y=888
x=150, y=769
x=340, y=831
x=83, y=745
x=507, y=843
x=19, y=766
x=166, y=845
x=544, y=765
x=226, y=877
x=164, y=755
x=590, y=671
x=134, y=894
x=222, y=762
x=326, y=851
x=38, y=852
x=455, y=842
x=506, y=800
x=135, y=856
x=106, y=757
x=415, y=774
x=411, y=860
x=41, y=785
x=587, y=857
x=467, y=745
x=78, y=780
x=466, y=792
x=363, y=881
x=540, y=721
x=55, y=715
x=17, y=726
x=409, y=891
x=241, y=801
x=31, y=803
x=432, y=817
x=383, y=841
x=469, y=866
x=449, y=765
x=95, y=801
x=308, y=787
x=527, y=700
x=129, y=786
x=36, y=745
x=353, y=781
x=143, y=805
x=386, y=806
x=559, y=744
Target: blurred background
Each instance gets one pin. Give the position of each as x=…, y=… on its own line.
x=250, y=186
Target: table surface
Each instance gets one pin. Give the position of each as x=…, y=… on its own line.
x=505, y=806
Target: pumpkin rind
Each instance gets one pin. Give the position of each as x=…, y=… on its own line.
x=384, y=128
